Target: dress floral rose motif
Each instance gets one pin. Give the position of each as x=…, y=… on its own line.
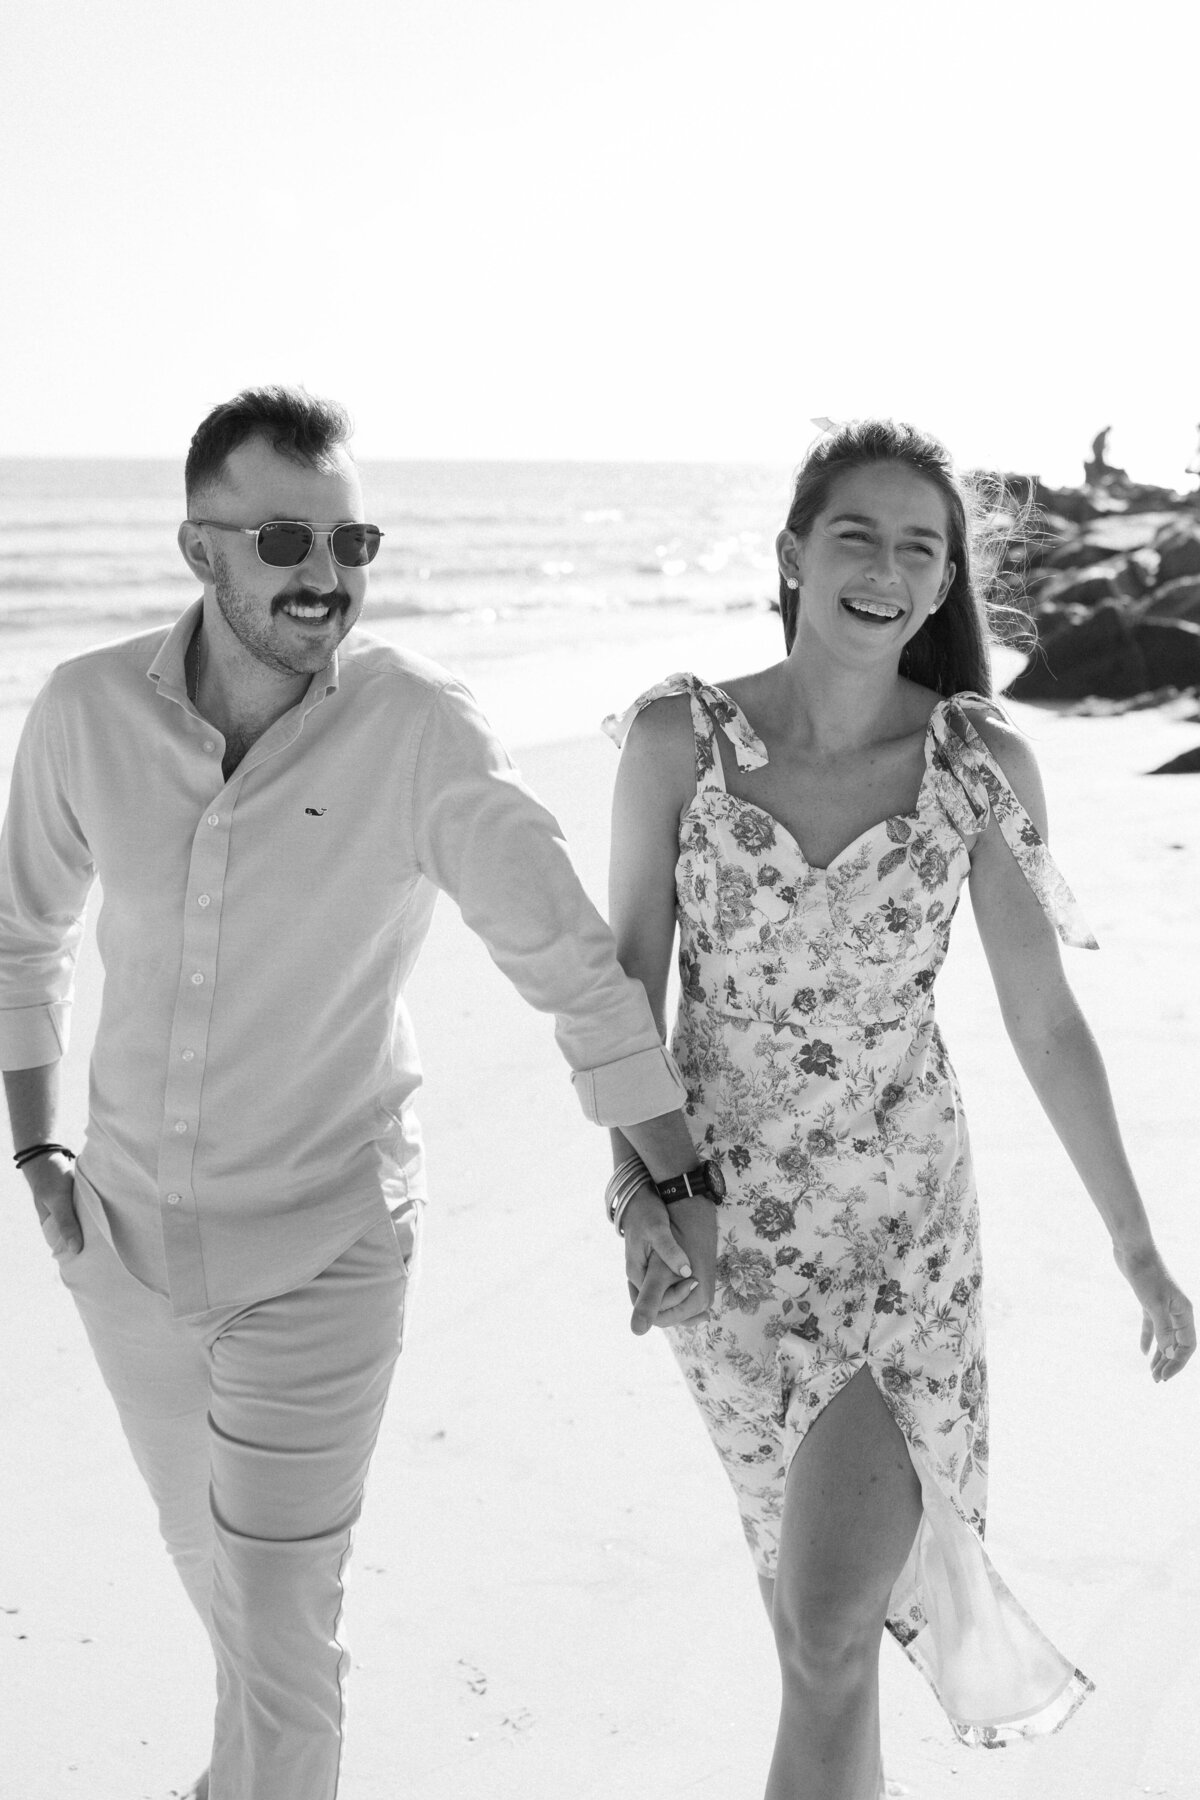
x=818, y=1079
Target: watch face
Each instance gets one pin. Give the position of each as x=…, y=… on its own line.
x=716, y=1180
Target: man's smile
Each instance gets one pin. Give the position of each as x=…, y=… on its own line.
x=311, y=610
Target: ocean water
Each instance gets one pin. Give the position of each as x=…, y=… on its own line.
x=94, y=542
x=481, y=563
x=557, y=589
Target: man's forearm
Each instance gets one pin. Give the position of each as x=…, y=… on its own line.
x=33, y=1109
x=32, y=1096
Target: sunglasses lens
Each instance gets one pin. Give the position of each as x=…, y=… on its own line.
x=284, y=545
x=354, y=546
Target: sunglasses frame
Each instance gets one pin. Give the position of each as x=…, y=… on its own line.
x=317, y=531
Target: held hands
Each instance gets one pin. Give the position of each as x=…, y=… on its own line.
x=670, y=1259
x=1167, y=1320
x=54, y=1197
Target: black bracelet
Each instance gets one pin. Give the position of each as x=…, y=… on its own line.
x=21, y=1157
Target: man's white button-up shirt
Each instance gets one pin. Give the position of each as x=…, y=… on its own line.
x=254, y=1065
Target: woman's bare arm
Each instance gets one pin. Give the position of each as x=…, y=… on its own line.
x=655, y=782
x=1058, y=1053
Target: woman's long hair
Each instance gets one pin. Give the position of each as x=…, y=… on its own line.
x=950, y=652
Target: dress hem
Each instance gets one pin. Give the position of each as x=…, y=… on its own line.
x=1043, y=1722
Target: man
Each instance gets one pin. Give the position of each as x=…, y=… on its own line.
x=270, y=805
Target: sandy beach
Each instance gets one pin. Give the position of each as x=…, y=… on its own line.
x=550, y=1593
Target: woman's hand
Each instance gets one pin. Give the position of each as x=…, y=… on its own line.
x=660, y=1245
x=1167, y=1320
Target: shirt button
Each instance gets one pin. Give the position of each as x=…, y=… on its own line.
x=188, y=1055
x=204, y=900
x=180, y=1127
x=197, y=979
x=209, y=745
x=214, y=818
x=174, y=1199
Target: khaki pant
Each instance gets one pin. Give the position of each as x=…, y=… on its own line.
x=253, y=1427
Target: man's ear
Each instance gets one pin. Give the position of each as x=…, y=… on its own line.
x=193, y=547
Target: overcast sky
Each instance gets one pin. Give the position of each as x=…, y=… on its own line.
x=635, y=228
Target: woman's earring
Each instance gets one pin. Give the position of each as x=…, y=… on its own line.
x=791, y=581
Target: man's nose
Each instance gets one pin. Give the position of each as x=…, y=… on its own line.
x=320, y=570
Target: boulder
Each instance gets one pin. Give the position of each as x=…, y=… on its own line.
x=1170, y=651
x=1126, y=532
x=1186, y=763
x=1097, y=654
x=1143, y=564
x=1051, y=527
x=1067, y=503
x=1144, y=497
x=1111, y=580
x=1047, y=620
x=1177, y=600
x=1178, y=546
x=1078, y=552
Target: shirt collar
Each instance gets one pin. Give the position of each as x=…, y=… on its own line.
x=169, y=673
x=167, y=669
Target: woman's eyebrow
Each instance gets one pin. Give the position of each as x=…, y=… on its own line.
x=866, y=519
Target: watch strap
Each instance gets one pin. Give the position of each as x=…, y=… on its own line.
x=692, y=1184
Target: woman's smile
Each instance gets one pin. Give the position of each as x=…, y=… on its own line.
x=872, y=612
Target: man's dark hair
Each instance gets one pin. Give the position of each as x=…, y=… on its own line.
x=293, y=422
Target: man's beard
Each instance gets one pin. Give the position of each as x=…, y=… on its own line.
x=256, y=631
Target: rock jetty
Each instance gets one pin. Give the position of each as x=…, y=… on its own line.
x=1112, y=584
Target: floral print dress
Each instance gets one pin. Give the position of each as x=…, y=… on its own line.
x=818, y=1079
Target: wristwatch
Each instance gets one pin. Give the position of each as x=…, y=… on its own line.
x=704, y=1182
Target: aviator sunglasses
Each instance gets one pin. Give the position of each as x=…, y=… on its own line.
x=286, y=543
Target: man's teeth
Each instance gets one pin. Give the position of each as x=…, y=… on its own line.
x=876, y=608
x=298, y=611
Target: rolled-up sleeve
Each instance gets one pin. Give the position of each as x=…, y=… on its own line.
x=485, y=839
x=46, y=872
x=637, y=1087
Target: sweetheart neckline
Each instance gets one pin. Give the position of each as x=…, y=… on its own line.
x=913, y=812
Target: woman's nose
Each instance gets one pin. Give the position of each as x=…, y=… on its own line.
x=882, y=566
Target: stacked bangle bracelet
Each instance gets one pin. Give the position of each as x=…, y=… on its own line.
x=21, y=1157
x=623, y=1184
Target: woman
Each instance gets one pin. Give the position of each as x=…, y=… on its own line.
x=811, y=827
